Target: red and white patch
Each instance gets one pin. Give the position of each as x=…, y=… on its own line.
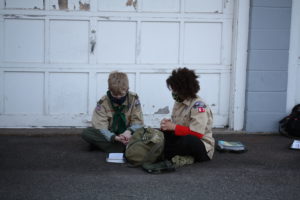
x=201, y=109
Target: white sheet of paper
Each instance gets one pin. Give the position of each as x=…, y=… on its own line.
x=115, y=156
x=296, y=144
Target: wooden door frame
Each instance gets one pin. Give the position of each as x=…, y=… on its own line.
x=239, y=64
x=294, y=58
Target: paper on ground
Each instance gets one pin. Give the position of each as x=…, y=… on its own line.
x=295, y=144
x=115, y=158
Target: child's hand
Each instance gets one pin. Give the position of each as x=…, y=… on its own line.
x=167, y=125
x=121, y=138
x=126, y=136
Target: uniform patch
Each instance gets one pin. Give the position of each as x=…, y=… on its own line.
x=98, y=107
x=199, y=104
x=201, y=109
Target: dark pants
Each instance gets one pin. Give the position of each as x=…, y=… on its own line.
x=184, y=146
x=95, y=138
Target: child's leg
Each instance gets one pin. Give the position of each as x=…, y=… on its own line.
x=94, y=137
x=193, y=146
x=184, y=146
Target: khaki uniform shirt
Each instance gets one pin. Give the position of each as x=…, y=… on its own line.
x=103, y=114
x=196, y=115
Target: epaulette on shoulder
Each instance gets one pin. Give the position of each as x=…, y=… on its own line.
x=133, y=94
x=102, y=99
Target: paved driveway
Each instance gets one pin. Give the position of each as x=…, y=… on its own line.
x=61, y=167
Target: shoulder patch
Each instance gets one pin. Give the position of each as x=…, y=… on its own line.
x=199, y=104
x=201, y=109
x=98, y=107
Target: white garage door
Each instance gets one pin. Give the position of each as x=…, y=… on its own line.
x=56, y=56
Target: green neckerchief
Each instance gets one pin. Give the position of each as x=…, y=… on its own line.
x=119, y=119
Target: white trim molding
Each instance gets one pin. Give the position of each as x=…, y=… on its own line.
x=294, y=53
x=239, y=62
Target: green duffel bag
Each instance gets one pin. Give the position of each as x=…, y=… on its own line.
x=145, y=146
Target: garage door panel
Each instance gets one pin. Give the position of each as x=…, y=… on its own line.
x=68, y=93
x=157, y=6
x=210, y=90
x=116, y=42
x=154, y=93
x=102, y=84
x=115, y=5
x=69, y=41
x=28, y=4
x=23, y=92
x=21, y=35
x=83, y=5
x=202, y=43
x=159, y=42
x=211, y=6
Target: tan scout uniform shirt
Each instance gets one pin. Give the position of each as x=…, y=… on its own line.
x=103, y=114
x=196, y=115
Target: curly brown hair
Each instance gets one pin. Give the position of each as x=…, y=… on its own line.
x=184, y=83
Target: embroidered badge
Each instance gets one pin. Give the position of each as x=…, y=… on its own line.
x=199, y=104
x=98, y=107
x=201, y=109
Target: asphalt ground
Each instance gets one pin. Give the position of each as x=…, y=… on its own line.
x=59, y=166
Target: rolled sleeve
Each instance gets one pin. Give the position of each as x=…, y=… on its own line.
x=135, y=127
x=107, y=134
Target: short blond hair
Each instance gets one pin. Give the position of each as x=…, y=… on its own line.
x=118, y=83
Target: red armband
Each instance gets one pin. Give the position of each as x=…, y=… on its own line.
x=183, y=130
